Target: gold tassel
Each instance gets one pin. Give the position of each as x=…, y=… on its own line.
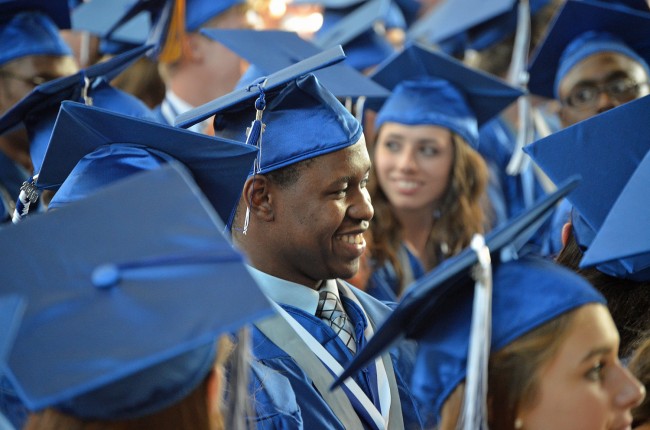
x=173, y=46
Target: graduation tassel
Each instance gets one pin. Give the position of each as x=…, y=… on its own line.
x=172, y=31
x=88, y=101
x=27, y=197
x=518, y=76
x=254, y=137
x=474, y=412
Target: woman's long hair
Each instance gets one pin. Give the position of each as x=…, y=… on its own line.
x=461, y=214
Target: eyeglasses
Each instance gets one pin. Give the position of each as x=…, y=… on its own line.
x=29, y=80
x=621, y=90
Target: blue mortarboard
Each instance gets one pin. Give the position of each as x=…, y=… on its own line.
x=583, y=28
x=39, y=108
x=296, y=105
x=125, y=330
x=433, y=88
x=453, y=17
x=437, y=310
x=283, y=49
x=99, y=17
x=93, y=147
x=111, y=22
x=354, y=30
x=30, y=28
x=606, y=151
x=198, y=12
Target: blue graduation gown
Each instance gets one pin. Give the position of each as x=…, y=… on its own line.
x=508, y=193
x=316, y=413
x=384, y=284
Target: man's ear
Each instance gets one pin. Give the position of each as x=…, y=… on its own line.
x=566, y=232
x=258, y=197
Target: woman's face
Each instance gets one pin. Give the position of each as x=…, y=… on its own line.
x=584, y=386
x=413, y=164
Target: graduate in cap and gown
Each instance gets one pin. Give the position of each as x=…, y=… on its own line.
x=429, y=183
x=595, y=57
x=300, y=222
x=509, y=341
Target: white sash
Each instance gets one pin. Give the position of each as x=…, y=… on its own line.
x=380, y=419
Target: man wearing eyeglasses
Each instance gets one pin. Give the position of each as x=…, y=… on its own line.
x=601, y=81
x=594, y=58
x=32, y=53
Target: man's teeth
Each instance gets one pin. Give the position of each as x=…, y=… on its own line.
x=352, y=238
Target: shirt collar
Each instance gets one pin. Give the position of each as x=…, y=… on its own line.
x=286, y=292
x=173, y=106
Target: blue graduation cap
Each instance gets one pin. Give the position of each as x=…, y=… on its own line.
x=607, y=151
x=621, y=240
x=583, y=28
x=198, y=12
x=437, y=310
x=283, y=49
x=354, y=29
x=292, y=105
x=30, y=27
x=451, y=18
x=127, y=330
x=92, y=147
x=114, y=23
x=433, y=88
x=39, y=108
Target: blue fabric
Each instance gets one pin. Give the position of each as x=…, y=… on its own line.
x=496, y=145
x=316, y=414
x=10, y=404
x=40, y=124
x=526, y=294
x=276, y=407
x=383, y=283
x=30, y=33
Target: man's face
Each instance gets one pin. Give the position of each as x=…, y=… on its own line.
x=20, y=76
x=318, y=226
x=598, y=83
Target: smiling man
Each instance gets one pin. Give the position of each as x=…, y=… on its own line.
x=300, y=221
